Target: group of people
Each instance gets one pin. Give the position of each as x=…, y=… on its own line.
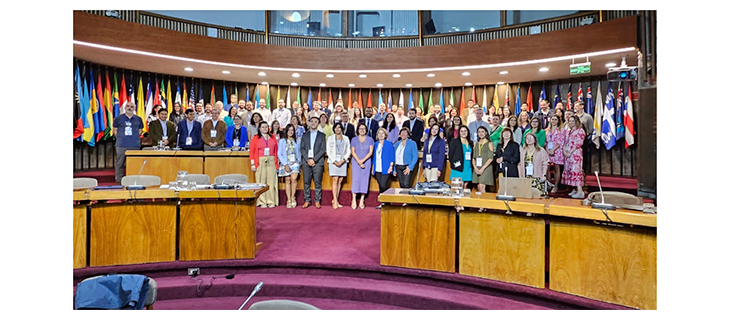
x=289, y=142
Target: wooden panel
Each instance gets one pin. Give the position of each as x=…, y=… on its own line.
x=213, y=230
x=164, y=167
x=80, y=236
x=216, y=166
x=575, y=209
x=418, y=237
x=619, y=33
x=616, y=265
x=500, y=247
x=131, y=234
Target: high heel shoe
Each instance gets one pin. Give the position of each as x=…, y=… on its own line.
x=362, y=205
x=354, y=205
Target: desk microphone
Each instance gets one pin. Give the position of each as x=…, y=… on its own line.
x=603, y=205
x=258, y=287
x=505, y=197
x=135, y=186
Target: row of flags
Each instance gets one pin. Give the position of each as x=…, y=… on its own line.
x=615, y=120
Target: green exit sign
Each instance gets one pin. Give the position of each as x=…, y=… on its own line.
x=580, y=68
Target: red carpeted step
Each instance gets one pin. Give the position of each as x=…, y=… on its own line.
x=233, y=303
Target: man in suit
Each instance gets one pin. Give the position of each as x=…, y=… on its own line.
x=371, y=123
x=416, y=127
x=348, y=128
x=163, y=130
x=478, y=122
x=544, y=113
x=245, y=110
x=189, y=132
x=313, y=146
x=436, y=112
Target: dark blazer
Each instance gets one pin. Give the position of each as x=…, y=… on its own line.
x=438, y=154
x=320, y=148
x=182, y=135
x=156, y=132
x=510, y=158
x=456, y=154
x=417, y=132
x=373, y=130
x=541, y=116
x=349, y=131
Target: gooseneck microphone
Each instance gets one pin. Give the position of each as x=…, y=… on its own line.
x=603, y=205
x=256, y=289
x=135, y=186
x=504, y=196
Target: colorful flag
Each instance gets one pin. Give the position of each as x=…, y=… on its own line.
x=410, y=101
x=420, y=102
x=608, y=127
x=360, y=101
x=178, y=99
x=268, y=97
x=495, y=99
x=629, y=119
x=309, y=100
x=212, y=93
x=149, y=106
x=570, y=97
x=288, y=97
x=349, y=99
x=370, y=103
x=247, y=98
x=299, y=95
x=89, y=131
x=462, y=105
x=115, y=97
x=506, y=96
x=109, y=107
x=168, y=99
x=319, y=96
x=140, y=100
x=390, y=100
x=597, y=118
x=529, y=99
x=556, y=98
x=156, y=96
x=451, y=98
x=589, y=101
x=278, y=96
x=441, y=101
x=101, y=108
x=79, y=128
x=580, y=93
x=191, y=98
x=400, y=100
x=123, y=94
x=163, y=96
x=200, y=91
x=484, y=100
x=184, y=96
x=430, y=99
x=225, y=95
x=518, y=102
x=94, y=106
x=331, y=105
x=543, y=95
x=339, y=97
x=620, y=112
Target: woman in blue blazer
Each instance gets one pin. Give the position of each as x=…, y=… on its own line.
x=434, y=154
x=383, y=160
x=236, y=131
x=406, y=157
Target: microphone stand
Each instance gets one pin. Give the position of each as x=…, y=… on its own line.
x=603, y=205
x=135, y=186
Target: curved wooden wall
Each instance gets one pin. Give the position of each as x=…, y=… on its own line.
x=608, y=35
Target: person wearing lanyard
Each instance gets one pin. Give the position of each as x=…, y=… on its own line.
x=460, y=151
x=289, y=157
x=534, y=162
x=415, y=125
x=338, y=154
x=384, y=159
x=212, y=133
x=434, y=153
x=237, y=134
x=264, y=165
x=312, y=147
x=474, y=125
x=361, y=149
x=573, y=151
x=127, y=128
x=537, y=129
x=555, y=141
x=483, y=171
x=406, y=157
x=162, y=130
x=507, y=155
x=188, y=132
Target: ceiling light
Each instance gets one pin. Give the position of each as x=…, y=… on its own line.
x=188, y=69
x=265, y=83
x=408, y=85
x=544, y=69
x=438, y=84
x=471, y=30
x=379, y=85
x=322, y=84
x=500, y=83
x=468, y=84
x=226, y=72
x=363, y=76
x=610, y=65
x=465, y=73
x=396, y=76
x=295, y=75
x=430, y=75
x=503, y=72
x=294, y=84
x=330, y=75
x=262, y=73
x=351, y=85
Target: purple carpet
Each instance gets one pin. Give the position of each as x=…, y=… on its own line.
x=331, y=259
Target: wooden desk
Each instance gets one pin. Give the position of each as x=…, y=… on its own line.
x=218, y=163
x=146, y=230
x=494, y=245
x=164, y=164
x=616, y=264
x=421, y=235
x=218, y=225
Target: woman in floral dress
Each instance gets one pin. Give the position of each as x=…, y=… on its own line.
x=573, y=171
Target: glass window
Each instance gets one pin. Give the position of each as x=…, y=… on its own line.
x=382, y=23
x=439, y=22
x=523, y=16
x=319, y=23
x=243, y=19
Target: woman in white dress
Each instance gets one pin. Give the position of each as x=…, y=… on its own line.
x=338, y=154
